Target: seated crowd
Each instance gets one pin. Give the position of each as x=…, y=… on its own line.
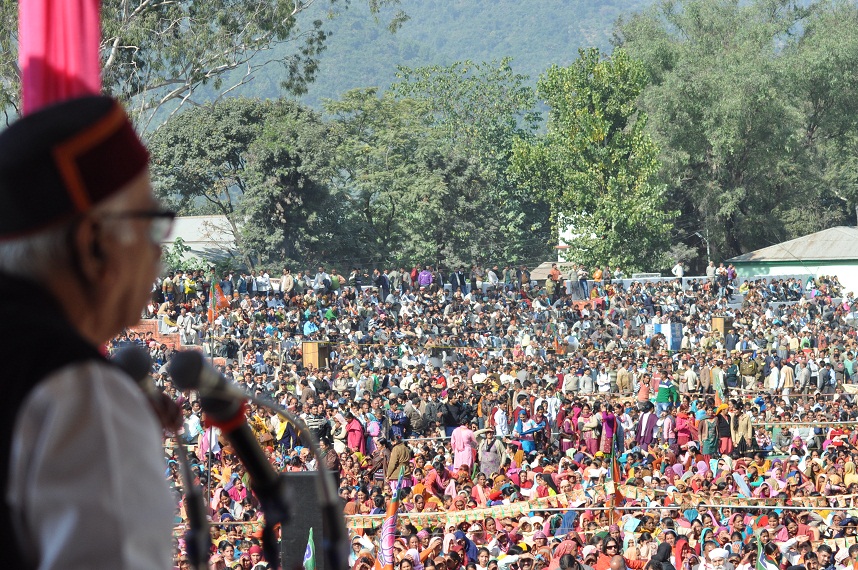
x=538, y=425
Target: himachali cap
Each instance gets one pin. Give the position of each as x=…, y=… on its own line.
x=64, y=159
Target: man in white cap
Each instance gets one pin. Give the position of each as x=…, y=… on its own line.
x=717, y=559
x=841, y=558
x=590, y=555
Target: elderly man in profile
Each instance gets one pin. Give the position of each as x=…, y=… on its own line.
x=80, y=233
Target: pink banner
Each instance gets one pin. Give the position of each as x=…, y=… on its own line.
x=58, y=43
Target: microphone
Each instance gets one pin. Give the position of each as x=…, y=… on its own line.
x=136, y=362
x=190, y=371
x=224, y=406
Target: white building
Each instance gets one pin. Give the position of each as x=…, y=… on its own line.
x=209, y=237
x=830, y=252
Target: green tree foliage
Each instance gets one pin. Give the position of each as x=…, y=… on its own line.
x=596, y=165
x=755, y=113
x=175, y=256
x=265, y=165
x=480, y=109
x=413, y=198
x=477, y=105
x=380, y=138
x=158, y=55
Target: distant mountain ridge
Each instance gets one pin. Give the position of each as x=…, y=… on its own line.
x=361, y=51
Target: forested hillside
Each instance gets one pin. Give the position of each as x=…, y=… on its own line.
x=361, y=51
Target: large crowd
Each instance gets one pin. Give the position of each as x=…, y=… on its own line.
x=529, y=425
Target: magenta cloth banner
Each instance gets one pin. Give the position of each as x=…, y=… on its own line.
x=58, y=43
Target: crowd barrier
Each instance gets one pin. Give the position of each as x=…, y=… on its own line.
x=590, y=499
x=442, y=518
x=688, y=280
x=805, y=424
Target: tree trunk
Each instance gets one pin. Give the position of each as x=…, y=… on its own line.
x=239, y=243
x=734, y=247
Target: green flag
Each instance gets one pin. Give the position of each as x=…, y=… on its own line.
x=763, y=561
x=310, y=553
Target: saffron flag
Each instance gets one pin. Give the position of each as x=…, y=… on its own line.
x=388, y=528
x=217, y=301
x=310, y=553
x=58, y=51
x=219, y=297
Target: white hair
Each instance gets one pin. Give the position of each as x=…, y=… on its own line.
x=39, y=255
x=34, y=255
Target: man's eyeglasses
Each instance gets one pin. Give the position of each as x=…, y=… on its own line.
x=161, y=222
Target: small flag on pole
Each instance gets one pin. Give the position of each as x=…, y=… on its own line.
x=217, y=300
x=616, y=476
x=764, y=562
x=388, y=528
x=310, y=553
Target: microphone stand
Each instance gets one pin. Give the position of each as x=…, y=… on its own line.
x=273, y=500
x=269, y=486
x=198, y=539
x=334, y=540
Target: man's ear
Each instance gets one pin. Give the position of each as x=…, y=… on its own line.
x=87, y=251
x=95, y=245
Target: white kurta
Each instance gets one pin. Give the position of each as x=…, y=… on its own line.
x=86, y=482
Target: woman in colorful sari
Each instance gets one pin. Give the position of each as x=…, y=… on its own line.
x=684, y=556
x=609, y=427
x=793, y=529
x=684, y=424
x=541, y=437
x=481, y=490
x=524, y=431
x=568, y=433
x=709, y=437
x=587, y=426
x=354, y=433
